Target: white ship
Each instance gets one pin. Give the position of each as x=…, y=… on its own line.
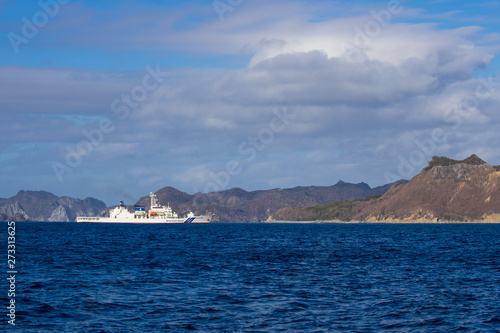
x=155, y=214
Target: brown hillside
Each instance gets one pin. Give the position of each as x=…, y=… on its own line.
x=446, y=190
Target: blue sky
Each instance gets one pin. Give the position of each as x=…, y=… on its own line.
x=116, y=99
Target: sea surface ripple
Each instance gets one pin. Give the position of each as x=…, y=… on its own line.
x=256, y=278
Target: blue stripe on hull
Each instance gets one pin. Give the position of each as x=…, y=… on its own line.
x=189, y=220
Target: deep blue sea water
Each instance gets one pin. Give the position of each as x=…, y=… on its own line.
x=255, y=278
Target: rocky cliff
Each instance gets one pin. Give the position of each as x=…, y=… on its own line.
x=446, y=190
x=45, y=206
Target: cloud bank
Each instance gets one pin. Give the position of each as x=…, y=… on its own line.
x=365, y=92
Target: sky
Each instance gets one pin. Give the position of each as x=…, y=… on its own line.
x=116, y=99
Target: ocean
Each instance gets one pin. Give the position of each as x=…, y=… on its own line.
x=253, y=278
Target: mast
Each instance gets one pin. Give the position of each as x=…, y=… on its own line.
x=153, y=199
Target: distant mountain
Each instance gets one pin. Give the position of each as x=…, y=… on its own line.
x=446, y=190
x=45, y=206
x=238, y=205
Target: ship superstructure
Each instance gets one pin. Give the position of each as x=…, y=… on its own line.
x=155, y=214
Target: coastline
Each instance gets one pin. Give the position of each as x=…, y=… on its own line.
x=392, y=221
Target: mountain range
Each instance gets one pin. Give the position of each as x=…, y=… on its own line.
x=446, y=190
x=232, y=205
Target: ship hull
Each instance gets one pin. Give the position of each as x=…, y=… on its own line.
x=203, y=219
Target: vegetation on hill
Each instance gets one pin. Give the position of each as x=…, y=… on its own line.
x=334, y=211
x=445, y=161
